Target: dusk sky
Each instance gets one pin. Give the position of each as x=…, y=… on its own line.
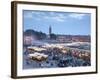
x=67, y=23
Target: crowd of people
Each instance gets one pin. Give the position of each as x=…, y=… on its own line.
x=61, y=57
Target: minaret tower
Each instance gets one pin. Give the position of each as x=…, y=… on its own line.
x=50, y=31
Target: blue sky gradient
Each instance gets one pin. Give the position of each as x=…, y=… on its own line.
x=67, y=23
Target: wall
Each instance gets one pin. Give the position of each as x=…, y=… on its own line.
x=5, y=40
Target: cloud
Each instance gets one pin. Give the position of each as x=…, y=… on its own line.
x=77, y=16
x=34, y=14
x=31, y=14
x=45, y=15
x=28, y=15
x=50, y=16
x=55, y=17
